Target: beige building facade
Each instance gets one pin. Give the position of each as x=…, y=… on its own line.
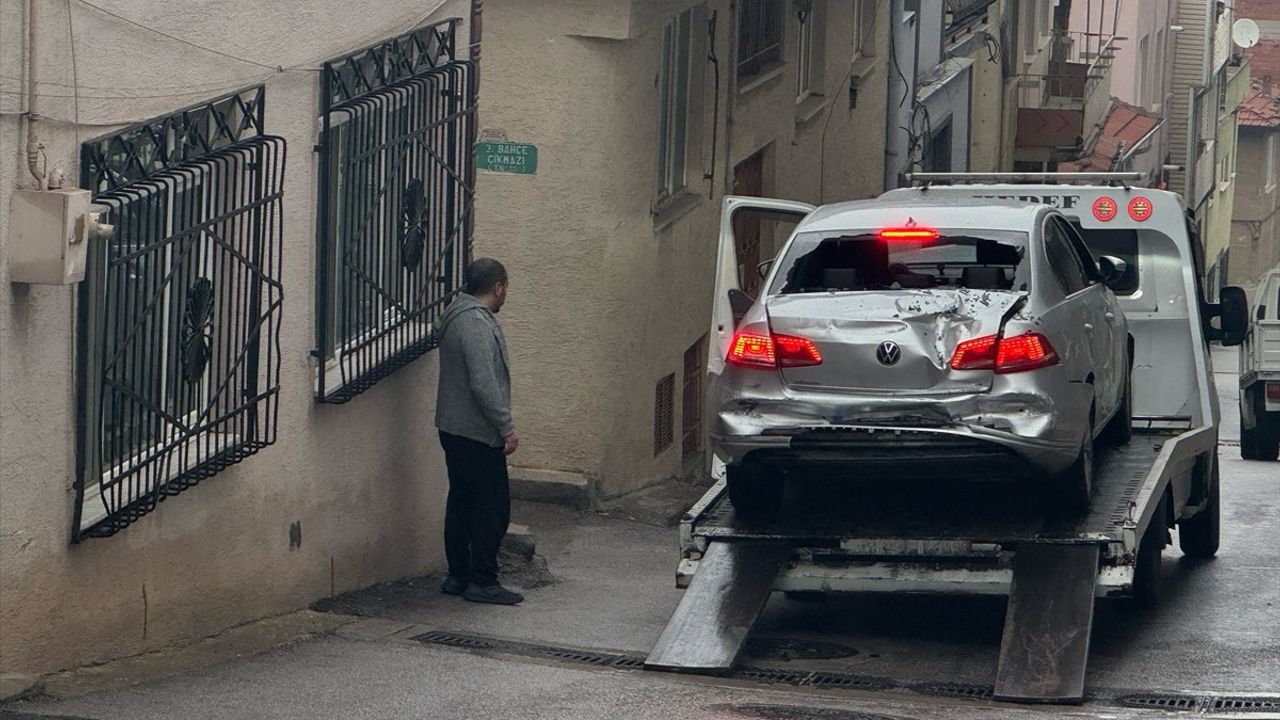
x=645, y=115
x=346, y=495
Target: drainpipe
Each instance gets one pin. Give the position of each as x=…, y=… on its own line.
x=732, y=93
x=477, y=30
x=33, y=145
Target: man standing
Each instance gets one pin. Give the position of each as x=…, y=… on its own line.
x=473, y=415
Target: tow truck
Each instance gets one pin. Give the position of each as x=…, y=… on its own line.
x=1052, y=568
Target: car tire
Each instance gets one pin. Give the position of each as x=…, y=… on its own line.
x=1119, y=430
x=1075, y=486
x=756, y=493
x=1198, y=535
x=1248, y=443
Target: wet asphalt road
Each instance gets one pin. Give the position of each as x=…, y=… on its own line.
x=1217, y=630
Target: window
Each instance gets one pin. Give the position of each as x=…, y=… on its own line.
x=1063, y=261
x=862, y=261
x=673, y=124
x=1030, y=34
x=1272, y=160
x=864, y=27
x=664, y=414
x=394, y=207
x=179, y=313
x=760, y=24
x=1122, y=244
x=805, y=56
x=1144, y=72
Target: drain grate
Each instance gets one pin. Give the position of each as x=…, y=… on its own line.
x=957, y=690
x=846, y=680
x=572, y=655
x=455, y=640
x=1160, y=701
x=793, y=712
x=771, y=675
x=1245, y=704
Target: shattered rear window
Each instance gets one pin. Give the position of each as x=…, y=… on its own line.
x=858, y=261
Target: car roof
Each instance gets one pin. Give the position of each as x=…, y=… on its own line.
x=938, y=211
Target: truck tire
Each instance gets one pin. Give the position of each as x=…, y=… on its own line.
x=756, y=493
x=1075, y=486
x=1267, y=442
x=1248, y=442
x=1119, y=430
x=1198, y=535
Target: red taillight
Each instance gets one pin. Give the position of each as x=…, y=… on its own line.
x=1273, y=391
x=908, y=234
x=1104, y=209
x=1140, y=209
x=1005, y=355
x=770, y=353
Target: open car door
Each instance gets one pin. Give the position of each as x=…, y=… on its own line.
x=741, y=220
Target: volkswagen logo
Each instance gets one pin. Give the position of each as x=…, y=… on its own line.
x=888, y=353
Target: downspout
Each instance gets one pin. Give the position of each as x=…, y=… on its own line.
x=33, y=145
x=732, y=90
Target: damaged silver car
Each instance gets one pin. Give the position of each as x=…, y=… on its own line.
x=899, y=339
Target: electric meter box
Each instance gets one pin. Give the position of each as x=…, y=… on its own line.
x=49, y=235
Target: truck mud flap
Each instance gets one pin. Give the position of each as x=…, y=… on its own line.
x=710, y=625
x=1045, y=647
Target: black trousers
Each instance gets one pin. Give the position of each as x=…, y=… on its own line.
x=478, y=509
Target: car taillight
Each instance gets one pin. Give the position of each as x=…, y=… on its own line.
x=1273, y=391
x=1005, y=355
x=763, y=352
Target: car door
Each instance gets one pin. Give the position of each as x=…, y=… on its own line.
x=1109, y=335
x=1071, y=320
x=730, y=302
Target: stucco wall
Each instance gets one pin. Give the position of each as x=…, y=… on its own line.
x=607, y=296
x=364, y=480
x=1255, y=226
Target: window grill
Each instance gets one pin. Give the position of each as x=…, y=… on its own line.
x=664, y=410
x=760, y=25
x=397, y=183
x=695, y=365
x=178, y=320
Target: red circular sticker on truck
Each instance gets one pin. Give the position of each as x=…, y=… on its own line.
x=1140, y=209
x=1105, y=209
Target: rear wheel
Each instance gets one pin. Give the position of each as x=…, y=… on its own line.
x=1267, y=443
x=1248, y=443
x=756, y=492
x=1120, y=428
x=1075, y=486
x=1198, y=534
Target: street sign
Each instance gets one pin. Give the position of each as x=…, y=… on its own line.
x=507, y=157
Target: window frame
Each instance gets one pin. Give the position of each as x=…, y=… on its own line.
x=807, y=75
x=674, y=105
x=1051, y=231
x=864, y=24
x=1272, y=152
x=755, y=59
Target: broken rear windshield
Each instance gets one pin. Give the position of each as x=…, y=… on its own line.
x=861, y=260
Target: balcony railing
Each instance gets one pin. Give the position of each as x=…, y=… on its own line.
x=1073, y=93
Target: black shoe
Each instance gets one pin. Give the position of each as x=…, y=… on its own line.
x=453, y=585
x=493, y=594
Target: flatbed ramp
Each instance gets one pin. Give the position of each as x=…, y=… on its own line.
x=1050, y=565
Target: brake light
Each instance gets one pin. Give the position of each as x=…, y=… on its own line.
x=1005, y=355
x=908, y=234
x=1273, y=391
x=763, y=352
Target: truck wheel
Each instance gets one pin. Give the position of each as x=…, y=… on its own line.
x=1075, y=486
x=1119, y=430
x=1267, y=442
x=1146, y=570
x=1248, y=443
x=756, y=492
x=1198, y=534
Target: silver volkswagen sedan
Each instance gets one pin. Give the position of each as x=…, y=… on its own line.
x=948, y=339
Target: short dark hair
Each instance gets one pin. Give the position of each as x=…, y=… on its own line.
x=482, y=275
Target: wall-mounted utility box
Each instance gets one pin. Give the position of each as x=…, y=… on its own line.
x=49, y=235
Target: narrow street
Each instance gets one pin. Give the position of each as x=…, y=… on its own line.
x=1214, y=633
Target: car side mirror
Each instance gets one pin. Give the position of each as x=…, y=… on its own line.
x=739, y=304
x=1111, y=269
x=763, y=269
x=1233, y=315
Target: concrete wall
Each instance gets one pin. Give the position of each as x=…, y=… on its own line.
x=1255, y=226
x=608, y=291
x=364, y=480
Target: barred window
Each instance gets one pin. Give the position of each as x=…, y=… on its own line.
x=760, y=25
x=177, y=331
x=396, y=189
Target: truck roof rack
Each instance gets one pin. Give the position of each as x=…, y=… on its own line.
x=983, y=178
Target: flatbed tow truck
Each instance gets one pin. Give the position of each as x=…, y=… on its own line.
x=973, y=539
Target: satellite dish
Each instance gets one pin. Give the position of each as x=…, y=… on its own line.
x=1245, y=33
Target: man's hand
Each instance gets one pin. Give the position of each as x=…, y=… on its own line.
x=512, y=442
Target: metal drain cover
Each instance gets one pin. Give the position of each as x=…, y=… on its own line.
x=767, y=648
x=794, y=712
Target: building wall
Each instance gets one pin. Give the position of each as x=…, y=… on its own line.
x=363, y=481
x=607, y=294
x=1189, y=65
x=1255, y=226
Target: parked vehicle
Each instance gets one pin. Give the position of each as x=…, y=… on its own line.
x=919, y=336
x=1260, y=375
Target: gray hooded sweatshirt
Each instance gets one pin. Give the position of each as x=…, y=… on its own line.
x=474, y=395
